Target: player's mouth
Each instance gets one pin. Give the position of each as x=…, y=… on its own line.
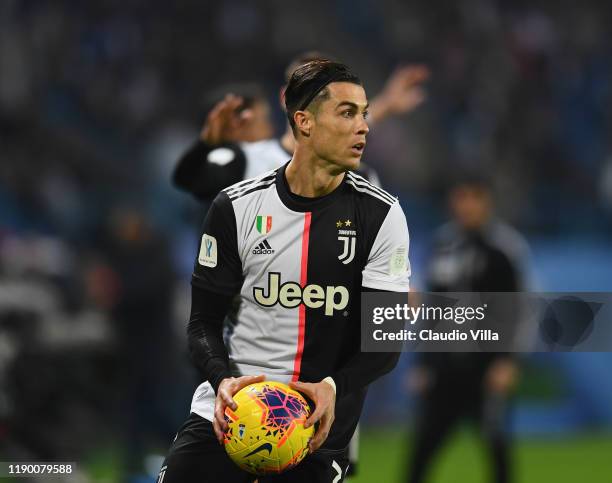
x=358, y=148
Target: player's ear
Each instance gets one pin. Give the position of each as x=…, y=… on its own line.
x=303, y=122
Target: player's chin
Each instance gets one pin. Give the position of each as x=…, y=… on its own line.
x=352, y=162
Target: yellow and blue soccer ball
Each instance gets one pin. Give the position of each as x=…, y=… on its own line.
x=266, y=432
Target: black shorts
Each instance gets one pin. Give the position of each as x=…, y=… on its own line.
x=197, y=457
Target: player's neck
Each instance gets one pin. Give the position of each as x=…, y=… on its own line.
x=310, y=176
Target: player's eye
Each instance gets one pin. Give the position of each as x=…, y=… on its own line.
x=348, y=113
x=366, y=114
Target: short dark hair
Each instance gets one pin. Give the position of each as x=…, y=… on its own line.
x=310, y=80
x=304, y=58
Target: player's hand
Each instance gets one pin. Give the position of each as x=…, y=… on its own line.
x=324, y=398
x=502, y=376
x=228, y=387
x=402, y=93
x=224, y=122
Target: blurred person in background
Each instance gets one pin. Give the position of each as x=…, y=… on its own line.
x=238, y=122
x=236, y=140
x=139, y=258
x=475, y=252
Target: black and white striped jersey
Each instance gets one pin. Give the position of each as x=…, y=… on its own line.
x=299, y=265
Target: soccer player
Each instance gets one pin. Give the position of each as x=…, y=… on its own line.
x=236, y=141
x=227, y=151
x=298, y=244
x=475, y=252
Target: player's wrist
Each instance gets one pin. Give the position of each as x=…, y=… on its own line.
x=329, y=380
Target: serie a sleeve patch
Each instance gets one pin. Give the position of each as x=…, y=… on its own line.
x=208, y=251
x=398, y=264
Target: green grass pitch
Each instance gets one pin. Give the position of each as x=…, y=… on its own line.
x=581, y=458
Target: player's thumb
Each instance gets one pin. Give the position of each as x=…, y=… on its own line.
x=258, y=378
x=246, y=380
x=301, y=387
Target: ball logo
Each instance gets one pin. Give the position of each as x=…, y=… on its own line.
x=263, y=447
x=291, y=294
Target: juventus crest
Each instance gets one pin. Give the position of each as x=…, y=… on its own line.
x=348, y=249
x=348, y=239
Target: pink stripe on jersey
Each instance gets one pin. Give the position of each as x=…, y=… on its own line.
x=297, y=363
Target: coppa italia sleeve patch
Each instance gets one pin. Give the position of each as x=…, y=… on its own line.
x=208, y=251
x=398, y=261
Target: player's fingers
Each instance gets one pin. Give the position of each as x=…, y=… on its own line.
x=322, y=431
x=214, y=112
x=308, y=389
x=219, y=414
x=315, y=416
x=217, y=115
x=231, y=97
x=317, y=443
x=415, y=97
x=319, y=438
x=227, y=107
x=228, y=118
x=230, y=104
x=303, y=387
x=417, y=73
x=228, y=400
x=218, y=431
x=410, y=75
x=419, y=97
x=246, y=380
x=212, y=117
x=213, y=125
x=225, y=112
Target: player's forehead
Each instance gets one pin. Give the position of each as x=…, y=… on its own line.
x=347, y=93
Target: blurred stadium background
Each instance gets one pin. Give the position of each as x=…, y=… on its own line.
x=97, y=100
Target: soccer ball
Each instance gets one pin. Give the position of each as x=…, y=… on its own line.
x=266, y=432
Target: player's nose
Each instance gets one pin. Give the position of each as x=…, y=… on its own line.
x=363, y=127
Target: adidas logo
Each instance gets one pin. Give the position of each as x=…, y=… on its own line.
x=263, y=248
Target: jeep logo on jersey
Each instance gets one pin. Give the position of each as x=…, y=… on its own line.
x=263, y=224
x=291, y=294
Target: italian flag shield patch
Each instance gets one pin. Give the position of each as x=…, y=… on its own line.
x=263, y=224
